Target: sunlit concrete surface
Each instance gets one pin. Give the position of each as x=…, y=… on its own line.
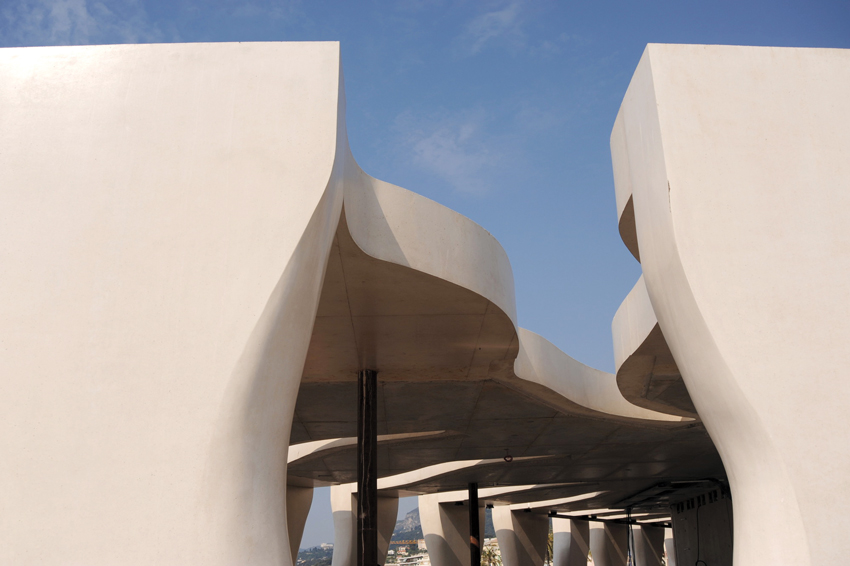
x=168, y=211
x=732, y=182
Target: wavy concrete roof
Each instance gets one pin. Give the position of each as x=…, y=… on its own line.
x=425, y=296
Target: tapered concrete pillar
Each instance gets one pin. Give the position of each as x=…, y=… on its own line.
x=609, y=544
x=570, y=542
x=344, y=507
x=298, y=502
x=649, y=545
x=523, y=536
x=445, y=527
x=669, y=547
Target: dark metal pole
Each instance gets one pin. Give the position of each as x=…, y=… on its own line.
x=367, y=468
x=474, y=527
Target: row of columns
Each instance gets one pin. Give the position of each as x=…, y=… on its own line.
x=446, y=527
x=454, y=531
x=523, y=537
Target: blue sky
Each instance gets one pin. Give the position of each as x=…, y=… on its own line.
x=500, y=110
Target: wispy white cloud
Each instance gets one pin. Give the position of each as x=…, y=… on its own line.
x=503, y=23
x=457, y=148
x=76, y=22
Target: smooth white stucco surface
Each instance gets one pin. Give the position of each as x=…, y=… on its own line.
x=736, y=158
x=142, y=185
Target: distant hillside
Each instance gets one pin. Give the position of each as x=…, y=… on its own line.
x=409, y=528
x=316, y=556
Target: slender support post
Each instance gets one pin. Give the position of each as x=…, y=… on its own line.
x=367, y=468
x=474, y=527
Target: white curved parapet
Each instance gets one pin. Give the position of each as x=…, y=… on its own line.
x=399, y=226
x=632, y=323
x=541, y=362
x=647, y=374
x=736, y=162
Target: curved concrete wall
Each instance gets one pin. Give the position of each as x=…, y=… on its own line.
x=168, y=214
x=736, y=159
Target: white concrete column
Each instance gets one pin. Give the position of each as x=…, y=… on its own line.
x=669, y=547
x=609, y=544
x=649, y=545
x=570, y=542
x=740, y=254
x=523, y=536
x=387, y=518
x=148, y=399
x=445, y=527
x=344, y=507
x=298, y=502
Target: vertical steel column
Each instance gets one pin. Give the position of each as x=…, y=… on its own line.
x=367, y=468
x=474, y=527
